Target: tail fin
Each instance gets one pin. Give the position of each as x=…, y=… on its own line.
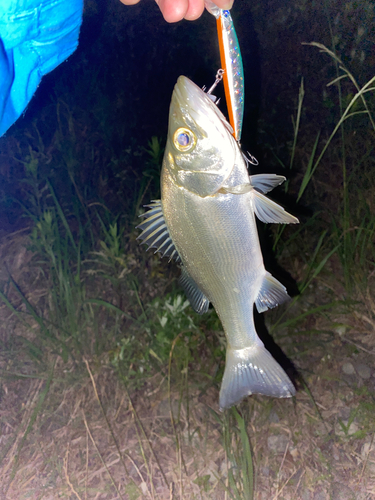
x=252, y=370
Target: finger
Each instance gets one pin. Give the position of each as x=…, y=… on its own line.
x=224, y=4
x=129, y=2
x=173, y=10
x=195, y=10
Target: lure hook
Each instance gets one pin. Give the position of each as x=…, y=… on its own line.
x=249, y=158
x=252, y=159
x=218, y=78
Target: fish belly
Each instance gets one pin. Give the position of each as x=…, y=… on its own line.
x=217, y=240
x=218, y=243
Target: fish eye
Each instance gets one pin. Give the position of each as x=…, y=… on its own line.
x=184, y=139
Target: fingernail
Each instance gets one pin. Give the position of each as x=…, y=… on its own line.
x=228, y=5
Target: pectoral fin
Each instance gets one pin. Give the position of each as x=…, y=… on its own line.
x=265, y=209
x=252, y=370
x=271, y=294
x=262, y=182
x=266, y=182
x=199, y=302
x=268, y=211
x=155, y=233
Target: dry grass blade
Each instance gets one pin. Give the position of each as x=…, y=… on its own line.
x=145, y=461
x=87, y=463
x=366, y=459
x=137, y=469
x=279, y=490
x=14, y=451
x=65, y=466
x=105, y=416
x=100, y=456
x=39, y=400
x=178, y=445
x=138, y=425
x=148, y=441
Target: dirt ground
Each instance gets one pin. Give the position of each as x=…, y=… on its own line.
x=73, y=431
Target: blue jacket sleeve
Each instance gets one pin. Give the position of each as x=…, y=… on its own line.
x=35, y=37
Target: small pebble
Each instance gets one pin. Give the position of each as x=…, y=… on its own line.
x=341, y=329
x=320, y=495
x=273, y=417
x=305, y=495
x=348, y=368
x=277, y=444
x=336, y=454
x=341, y=492
x=344, y=412
x=363, y=371
x=265, y=471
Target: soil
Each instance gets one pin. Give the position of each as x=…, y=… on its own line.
x=76, y=431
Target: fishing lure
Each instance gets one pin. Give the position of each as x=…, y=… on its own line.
x=231, y=62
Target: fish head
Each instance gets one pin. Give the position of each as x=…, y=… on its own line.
x=201, y=152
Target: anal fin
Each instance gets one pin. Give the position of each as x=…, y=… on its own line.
x=271, y=294
x=199, y=302
x=252, y=370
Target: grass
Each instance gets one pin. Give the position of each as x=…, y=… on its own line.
x=118, y=355
x=352, y=230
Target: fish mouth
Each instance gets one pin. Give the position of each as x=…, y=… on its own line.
x=185, y=87
x=188, y=96
x=190, y=100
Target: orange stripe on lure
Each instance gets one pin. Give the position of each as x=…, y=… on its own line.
x=231, y=62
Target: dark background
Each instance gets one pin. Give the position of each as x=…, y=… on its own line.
x=94, y=115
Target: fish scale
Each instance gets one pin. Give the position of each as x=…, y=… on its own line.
x=206, y=220
x=222, y=261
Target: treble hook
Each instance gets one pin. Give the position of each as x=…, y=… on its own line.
x=219, y=77
x=250, y=159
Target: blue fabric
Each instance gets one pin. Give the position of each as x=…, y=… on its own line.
x=35, y=37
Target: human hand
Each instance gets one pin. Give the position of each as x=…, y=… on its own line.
x=175, y=10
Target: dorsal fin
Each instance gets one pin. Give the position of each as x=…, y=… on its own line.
x=155, y=233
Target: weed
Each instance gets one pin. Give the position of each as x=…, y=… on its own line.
x=353, y=227
x=239, y=460
x=150, y=174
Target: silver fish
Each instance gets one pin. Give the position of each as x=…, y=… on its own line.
x=205, y=220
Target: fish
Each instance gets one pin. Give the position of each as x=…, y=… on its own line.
x=206, y=222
